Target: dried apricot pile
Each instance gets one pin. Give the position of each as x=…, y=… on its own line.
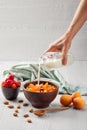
x=43, y=88
x=75, y=99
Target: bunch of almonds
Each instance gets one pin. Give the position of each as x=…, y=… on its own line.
x=16, y=111
x=76, y=99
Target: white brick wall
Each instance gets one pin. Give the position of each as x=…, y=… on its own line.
x=27, y=27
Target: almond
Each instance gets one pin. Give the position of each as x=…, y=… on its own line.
x=10, y=106
x=25, y=115
x=20, y=101
x=29, y=120
x=15, y=114
x=25, y=104
x=18, y=106
x=6, y=102
x=31, y=110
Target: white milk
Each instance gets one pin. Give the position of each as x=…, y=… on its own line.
x=38, y=77
x=54, y=60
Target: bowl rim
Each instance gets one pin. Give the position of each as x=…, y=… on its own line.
x=55, y=85
x=10, y=87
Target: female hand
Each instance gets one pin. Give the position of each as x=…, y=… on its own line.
x=61, y=45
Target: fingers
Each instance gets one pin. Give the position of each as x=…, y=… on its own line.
x=64, y=59
x=64, y=55
x=54, y=48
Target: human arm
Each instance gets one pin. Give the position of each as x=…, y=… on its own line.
x=63, y=44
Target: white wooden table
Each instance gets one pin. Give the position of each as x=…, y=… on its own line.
x=70, y=119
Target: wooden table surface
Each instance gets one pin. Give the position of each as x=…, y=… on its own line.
x=70, y=119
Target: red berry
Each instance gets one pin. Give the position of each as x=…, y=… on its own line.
x=6, y=79
x=18, y=83
x=3, y=84
x=11, y=77
x=9, y=82
x=13, y=86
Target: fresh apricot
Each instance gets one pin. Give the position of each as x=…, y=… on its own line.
x=79, y=103
x=65, y=100
x=75, y=95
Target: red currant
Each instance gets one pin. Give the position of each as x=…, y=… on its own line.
x=18, y=84
x=11, y=77
x=14, y=85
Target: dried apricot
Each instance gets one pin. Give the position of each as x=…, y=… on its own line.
x=43, y=88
